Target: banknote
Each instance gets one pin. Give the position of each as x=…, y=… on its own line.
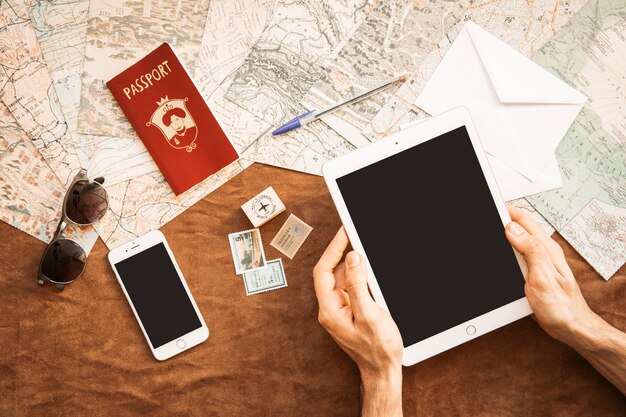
x=247, y=250
x=270, y=277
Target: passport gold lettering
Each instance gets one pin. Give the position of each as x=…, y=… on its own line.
x=147, y=79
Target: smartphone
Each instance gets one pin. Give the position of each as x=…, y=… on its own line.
x=158, y=295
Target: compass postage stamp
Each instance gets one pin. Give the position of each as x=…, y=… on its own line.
x=291, y=236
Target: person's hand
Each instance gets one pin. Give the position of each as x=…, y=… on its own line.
x=364, y=330
x=559, y=306
x=551, y=289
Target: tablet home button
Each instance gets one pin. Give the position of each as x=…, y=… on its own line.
x=180, y=343
x=471, y=330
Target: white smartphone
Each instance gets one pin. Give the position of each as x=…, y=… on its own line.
x=158, y=295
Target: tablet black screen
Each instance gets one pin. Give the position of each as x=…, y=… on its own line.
x=433, y=236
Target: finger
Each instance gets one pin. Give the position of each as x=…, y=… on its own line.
x=531, y=226
x=554, y=250
x=356, y=286
x=340, y=276
x=334, y=252
x=340, y=283
x=323, y=276
x=540, y=266
x=331, y=310
x=527, y=222
x=345, y=299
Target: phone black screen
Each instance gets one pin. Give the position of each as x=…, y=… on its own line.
x=158, y=295
x=433, y=236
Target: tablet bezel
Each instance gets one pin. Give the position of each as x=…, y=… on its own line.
x=396, y=143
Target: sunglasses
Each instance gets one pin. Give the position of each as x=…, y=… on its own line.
x=64, y=260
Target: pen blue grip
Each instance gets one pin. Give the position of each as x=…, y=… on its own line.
x=291, y=125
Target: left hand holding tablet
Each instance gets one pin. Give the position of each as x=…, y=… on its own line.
x=364, y=330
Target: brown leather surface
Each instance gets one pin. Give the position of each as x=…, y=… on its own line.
x=80, y=352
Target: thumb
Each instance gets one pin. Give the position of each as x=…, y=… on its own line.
x=356, y=285
x=534, y=252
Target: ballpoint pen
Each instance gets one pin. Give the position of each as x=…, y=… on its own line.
x=315, y=114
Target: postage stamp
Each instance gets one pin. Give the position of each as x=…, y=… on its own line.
x=247, y=250
x=291, y=236
x=270, y=277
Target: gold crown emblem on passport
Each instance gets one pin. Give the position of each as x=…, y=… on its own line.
x=163, y=100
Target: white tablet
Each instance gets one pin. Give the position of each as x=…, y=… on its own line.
x=424, y=208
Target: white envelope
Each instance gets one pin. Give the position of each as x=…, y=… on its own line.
x=513, y=185
x=520, y=110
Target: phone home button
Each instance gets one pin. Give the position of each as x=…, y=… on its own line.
x=470, y=330
x=180, y=343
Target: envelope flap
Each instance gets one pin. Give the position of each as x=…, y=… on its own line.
x=515, y=78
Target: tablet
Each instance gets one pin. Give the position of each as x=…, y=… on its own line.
x=425, y=210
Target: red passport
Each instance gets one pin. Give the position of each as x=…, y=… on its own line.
x=172, y=119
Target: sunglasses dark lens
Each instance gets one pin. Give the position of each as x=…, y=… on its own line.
x=87, y=202
x=63, y=261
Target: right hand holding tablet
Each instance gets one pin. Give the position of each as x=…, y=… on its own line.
x=551, y=289
x=559, y=306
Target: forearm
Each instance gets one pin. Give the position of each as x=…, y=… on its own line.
x=382, y=394
x=604, y=347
